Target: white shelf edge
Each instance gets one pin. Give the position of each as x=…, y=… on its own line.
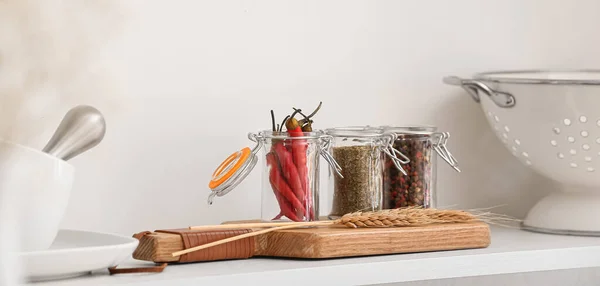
x=409, y=270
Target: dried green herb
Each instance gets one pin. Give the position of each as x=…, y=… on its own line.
x=360, y=188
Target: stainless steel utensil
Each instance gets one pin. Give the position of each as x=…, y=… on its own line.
x=81, y=129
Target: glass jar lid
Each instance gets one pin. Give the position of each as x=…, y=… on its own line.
x=411, y=129
x=356, y=131
x=268, y=134
x=440, y=139
x=234, y=169
x=376, y=135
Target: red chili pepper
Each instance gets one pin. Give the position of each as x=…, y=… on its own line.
x=290, y=173
x=279, y=215
x=282, y=190
x=300, y=151
x=299, y=148
x=284, y=205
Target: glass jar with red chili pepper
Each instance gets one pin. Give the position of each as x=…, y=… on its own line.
x=360, y=152
x=290, y=173
x=418, y=186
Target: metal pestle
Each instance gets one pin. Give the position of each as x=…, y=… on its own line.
x=82, y=128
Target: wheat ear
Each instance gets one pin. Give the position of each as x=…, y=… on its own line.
x=405, y=217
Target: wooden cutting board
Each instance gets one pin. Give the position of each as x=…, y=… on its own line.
x=320, y=242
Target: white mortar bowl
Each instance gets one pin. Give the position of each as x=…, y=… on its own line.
x=34, y=193
x=550, y=121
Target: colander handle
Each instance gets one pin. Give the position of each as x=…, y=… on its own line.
x=502, y=99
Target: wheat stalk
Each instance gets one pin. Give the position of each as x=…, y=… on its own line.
x=402, y=217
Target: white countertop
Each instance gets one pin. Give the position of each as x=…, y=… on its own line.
x=511, y=251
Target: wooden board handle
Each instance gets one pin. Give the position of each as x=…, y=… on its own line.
x=179, y=239
x=248, y=235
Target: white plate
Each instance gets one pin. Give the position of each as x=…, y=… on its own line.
x=76, y=253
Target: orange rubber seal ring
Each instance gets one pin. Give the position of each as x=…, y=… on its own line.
x=224, y=171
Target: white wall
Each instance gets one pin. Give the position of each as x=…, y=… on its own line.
x=198, y=75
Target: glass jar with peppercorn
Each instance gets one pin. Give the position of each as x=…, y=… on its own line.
x=290, y=169
x=360, y=153
x=418, y=186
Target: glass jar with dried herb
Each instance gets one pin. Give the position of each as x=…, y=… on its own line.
x=418, y=187
x=360, y=153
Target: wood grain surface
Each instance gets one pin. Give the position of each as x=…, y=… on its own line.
x=338, y=241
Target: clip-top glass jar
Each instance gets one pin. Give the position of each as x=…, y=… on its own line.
x=418, y=186
x=360, y=153
x=290, y=173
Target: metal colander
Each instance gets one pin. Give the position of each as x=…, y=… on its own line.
x=550, y=121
